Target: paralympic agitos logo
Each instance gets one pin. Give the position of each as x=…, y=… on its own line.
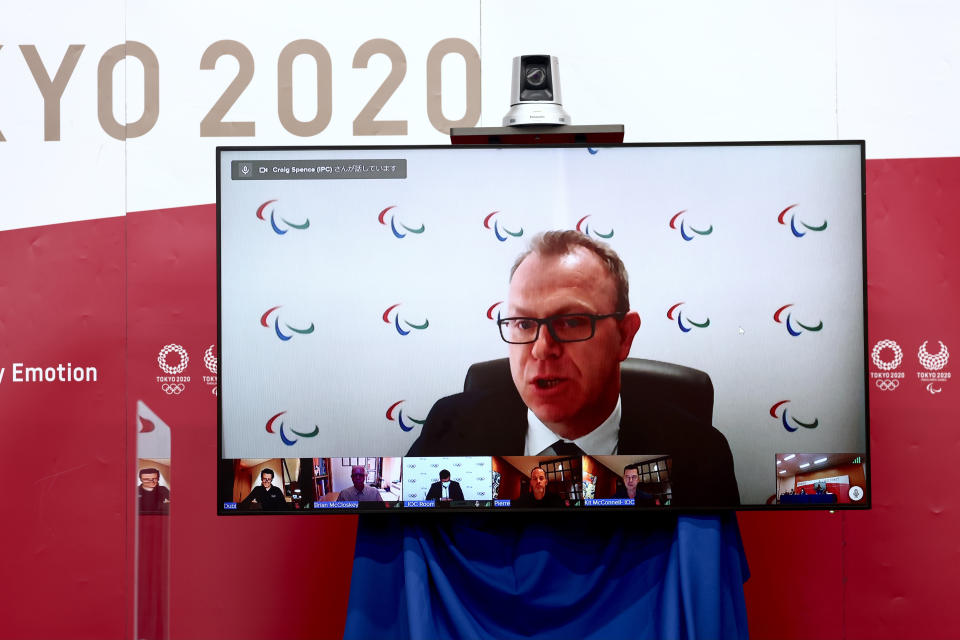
x=794, y=229
x=392, y=316
x=279, y=224
x=500, y=231
x=398, y=233
x=395, y=414
x=273, y=427
x=685, y=323
x=777, y=413
x=288, y=330
x=683, y=228
x=584, y=227
x=792, y=325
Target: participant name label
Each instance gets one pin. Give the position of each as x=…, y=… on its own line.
x=610, y=502
x=344, y=504
x=428, y=504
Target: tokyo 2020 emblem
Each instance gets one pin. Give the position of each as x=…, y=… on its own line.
x=173, y=360
x=886, y=365
x=179, y=367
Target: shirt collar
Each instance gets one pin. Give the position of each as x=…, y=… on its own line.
x=601, y=441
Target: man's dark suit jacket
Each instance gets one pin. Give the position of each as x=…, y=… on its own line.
x=436, y=491
x=549, y=500
x=640, y=498
x=156, y=501
x=480, y=423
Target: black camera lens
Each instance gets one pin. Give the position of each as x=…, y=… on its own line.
x=536, y=75
x=536, y=83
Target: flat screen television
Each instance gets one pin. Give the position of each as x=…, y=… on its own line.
x=377, y=353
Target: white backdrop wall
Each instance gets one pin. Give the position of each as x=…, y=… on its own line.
x=882, y=71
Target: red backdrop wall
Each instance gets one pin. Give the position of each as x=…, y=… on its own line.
x=880, y=574
x=111, y=293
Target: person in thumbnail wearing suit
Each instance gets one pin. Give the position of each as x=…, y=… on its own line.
x=569, y=325
x=538, y=495
x=445, y=490
x=151, y=497
x=631, y=478
x=360, y=491
x=266, y=495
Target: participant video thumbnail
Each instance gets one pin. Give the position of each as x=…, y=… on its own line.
x=463, y=481
x=364, y=483
x=292, y=484
x=537, y=481
x=627, y=481
x=820, y=478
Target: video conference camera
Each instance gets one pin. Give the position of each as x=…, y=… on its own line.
x=535, y=93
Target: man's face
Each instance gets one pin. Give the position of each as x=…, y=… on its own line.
x=358, y=475
x=538, y=483
x=150, y=481
x=630, y=478
x=571, y=386
x=266, y=480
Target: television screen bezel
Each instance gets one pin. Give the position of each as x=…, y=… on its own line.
x=865, y=504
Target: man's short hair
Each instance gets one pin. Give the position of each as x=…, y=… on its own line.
x=538, y=467
x=267, y=470
x=148, y=470
x=560, y=243
x=634, y=466
x=444, y=474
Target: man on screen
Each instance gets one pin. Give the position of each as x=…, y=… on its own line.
x=538, y=496
x=445, y=490
x=152, y=498
x=360, y=491
x=630, y=489
x=265, y=496
x=569, y=326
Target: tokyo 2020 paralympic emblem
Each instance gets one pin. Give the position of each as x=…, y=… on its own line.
x=933, y=362
x=210, y=362
x=934, y=376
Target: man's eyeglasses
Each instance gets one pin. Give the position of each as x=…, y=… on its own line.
x=567, y=327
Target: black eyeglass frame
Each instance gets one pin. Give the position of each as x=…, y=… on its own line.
x=550, y=319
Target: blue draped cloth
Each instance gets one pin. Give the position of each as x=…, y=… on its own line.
x=636, y=575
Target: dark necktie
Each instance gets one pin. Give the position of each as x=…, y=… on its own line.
x=562, y=448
